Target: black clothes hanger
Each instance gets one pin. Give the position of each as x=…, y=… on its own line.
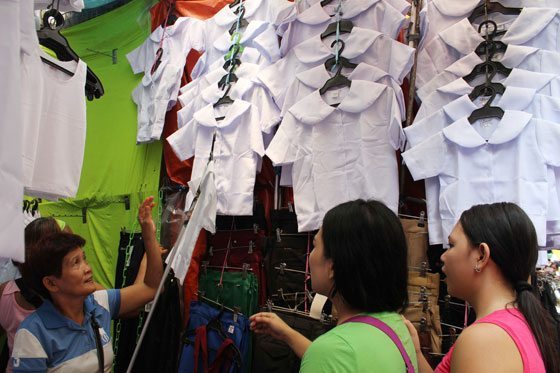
x=342, y=61
x=487, y=67
x=345, y=27
x=225, y=81
x=225, y=99
x=50, y=37
x=234, y=3
x=234, y=62
x=242, y=23
x=490, y=48
x=488, y=7
x=487, y=111
x=326, y=2
x=338, y=80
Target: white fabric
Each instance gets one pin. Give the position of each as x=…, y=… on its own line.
x=371, y=14
x=60, y=151
x=308, y=81
x=522, y=99
x=402, y=6
x=203, y=217
x=236, y=151
x=11, y=168
x=361, y=45
x=545, y=84
x=522, y=57
x=536, y=27
x=490, y=161
x=62, y=5
x=441, y=14
x=258, y=35
x=340, y=154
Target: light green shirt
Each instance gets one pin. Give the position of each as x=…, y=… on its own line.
x=358, y=347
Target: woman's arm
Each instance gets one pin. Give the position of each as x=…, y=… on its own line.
x=138, y=294
x=423, y=365
x=269, y=323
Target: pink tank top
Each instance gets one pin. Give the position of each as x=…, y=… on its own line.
x=513, y=322
x=11, y=314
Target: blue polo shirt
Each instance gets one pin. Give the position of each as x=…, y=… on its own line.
x=47, y=341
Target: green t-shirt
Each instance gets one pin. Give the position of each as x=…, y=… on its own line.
x=358, y=347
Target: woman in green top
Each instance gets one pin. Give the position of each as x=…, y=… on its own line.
x=359, y=262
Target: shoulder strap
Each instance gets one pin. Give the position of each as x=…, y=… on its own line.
x=200, y=347
x=98, y=344
x=370, y=320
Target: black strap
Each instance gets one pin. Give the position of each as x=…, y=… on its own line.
x=98, y=344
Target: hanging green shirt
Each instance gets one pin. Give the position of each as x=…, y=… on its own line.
x=357, y=347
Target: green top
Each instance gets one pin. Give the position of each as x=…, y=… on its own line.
x=358, y=347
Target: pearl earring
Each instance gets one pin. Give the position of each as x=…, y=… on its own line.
x=477, y=269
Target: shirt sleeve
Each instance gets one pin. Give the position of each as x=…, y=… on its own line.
x=426, y=159
x=277, y=77
x=28, y=355
x=182, y=140
x=402, y=59
x=423, y=129
x=257, y=144
x=284, y=147
x=269, y=113
x=548, y=138
x=137, y=58
x=109, y=299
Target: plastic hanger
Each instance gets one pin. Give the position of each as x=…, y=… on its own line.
x=487, y=111
x=223, y=82
x=326, y=2
x=487, y=67
x=342, y=61
x=338, y=80
x=50, y=37
x=488, y=7
x=225, y=99
x=345, y=27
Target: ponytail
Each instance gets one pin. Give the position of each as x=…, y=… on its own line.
x=541, y=323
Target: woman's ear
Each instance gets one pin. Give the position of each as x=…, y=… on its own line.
x=50, y=284
x=484, y=255
x=330, y=269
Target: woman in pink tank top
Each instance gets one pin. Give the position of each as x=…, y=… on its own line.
x=492, y=252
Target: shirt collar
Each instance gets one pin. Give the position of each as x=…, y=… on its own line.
x=361, y=95
x=316, y=14
x=207, y=116
x=226, y=15
x=169, y=30
x=213, y=93
x=53, y=319
x=461, y=8
x=356, y=43
x=529, y=23
x=462, y=37
x=528, y=79
x=465, y=65
x=254, y=28
x=459, y=108
x=457, y=87
x=317, y=76
x=516, y=54
x=515, y=98
x=462, y=133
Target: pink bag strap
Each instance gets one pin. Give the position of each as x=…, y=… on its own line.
x=370, y=320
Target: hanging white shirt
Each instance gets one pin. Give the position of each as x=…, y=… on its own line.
x=258, y=35
x=340, y=154
x=308, y=81
x=521, y=99
x=490, y=161
x=236, y=150
x=60, y=151
x=371, y=14
x=11, y=136
x=535, y=27
x=402, y=6
x=361, y=45
x=203, y=217
x=521, y=57
x=441, y=14
x=545, y=84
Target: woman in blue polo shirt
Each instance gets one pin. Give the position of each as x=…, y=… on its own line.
x=70, y=332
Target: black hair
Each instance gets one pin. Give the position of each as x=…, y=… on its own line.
x=512, y=239
x=366, y=243
x=46, y=259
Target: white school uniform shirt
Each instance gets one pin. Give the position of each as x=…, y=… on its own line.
x=402, y=6
x=545, y=84
x=441, y=14
x=490, y=161
x=446, y=47
x=522, y=57
x=521, y=99
x=259, y=35
x=11, y=136
x=361, y=45
x=237, y=148
x=308, y=81
x=340, y=154
x=244, y=89
x=371, y=14
x=535, y=27
x=60, y=151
